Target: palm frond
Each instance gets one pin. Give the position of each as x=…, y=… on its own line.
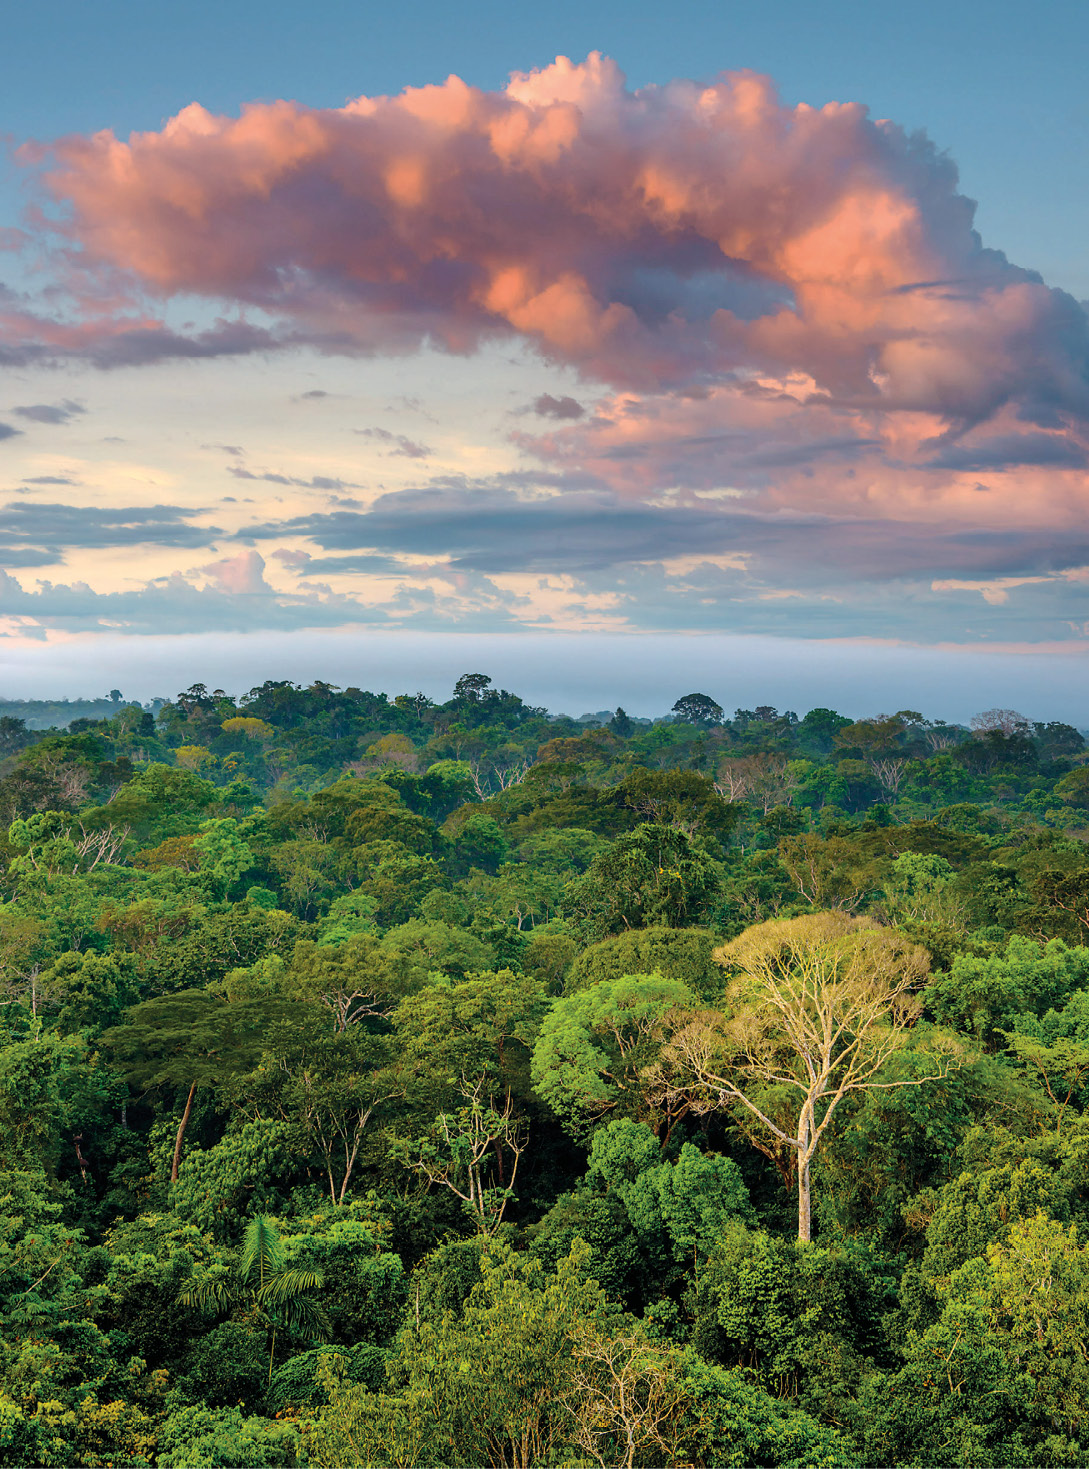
x=287, y=1283
x=210, y=1296
x=262, y=1253
x=307, y=1317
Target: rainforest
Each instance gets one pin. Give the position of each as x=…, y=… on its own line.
x=391, y=1082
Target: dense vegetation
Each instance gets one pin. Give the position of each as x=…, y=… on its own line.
x=384, y=1082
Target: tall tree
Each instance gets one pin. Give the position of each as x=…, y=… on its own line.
x=816, y=1009
x=698, y=709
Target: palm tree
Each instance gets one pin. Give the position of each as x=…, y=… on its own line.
x=278, y=1297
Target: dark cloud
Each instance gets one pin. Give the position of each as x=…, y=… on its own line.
x=13, y=557
x=495, y=530
x=55, y=527
x=492, y=530
x=7, y=432
x=50, y=479
x=403, y=447
x=1006, y=451
x=313, y=393
x=42, y=342
x=365, y=564
x=62, y=412
x=549, y=407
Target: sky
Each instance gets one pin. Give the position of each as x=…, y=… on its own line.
x=611, y=344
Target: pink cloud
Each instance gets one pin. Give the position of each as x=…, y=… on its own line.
x=244, y=573
x=650, y=238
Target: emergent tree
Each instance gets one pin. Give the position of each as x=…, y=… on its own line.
x=816, y=1008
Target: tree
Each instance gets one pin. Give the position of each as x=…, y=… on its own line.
x=186, y=1040
x=817, y=1008
x=678, y=798
x=655, y=874
x=485, y=1386
x=1003, y=721
x=698, y=709
x=595, y=1047
x=461, y=1148
x=279, y=1297
x=672, y=953
x=472, y=687
x=627, y=1396
x=1002, y=1375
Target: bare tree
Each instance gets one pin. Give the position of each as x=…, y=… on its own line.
x=1001, y=721
x=767, y=780
x=889, y=771
x=458, y=1152
x=941, y=737
x=817, y=1008
x=497, y=775
x=54, y=851
x=626, y=1398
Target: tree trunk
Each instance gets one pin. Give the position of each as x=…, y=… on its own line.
x=805, y=1198
x=182, y=1125
x=805, y=1207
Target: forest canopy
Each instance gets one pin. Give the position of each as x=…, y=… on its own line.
x=394, y=1082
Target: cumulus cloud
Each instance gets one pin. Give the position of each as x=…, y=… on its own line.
x=802, y=360
x=241, y=574
x=648, y=238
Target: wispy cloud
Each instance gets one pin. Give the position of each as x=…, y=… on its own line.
x=315, y=481
x=400, y=445
x=55, y=413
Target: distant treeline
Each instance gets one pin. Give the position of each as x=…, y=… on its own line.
x=59, y=713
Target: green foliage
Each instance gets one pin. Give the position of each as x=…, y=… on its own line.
x=683, y=954
x=225, y=1438
x=595, y=1045
x=1001, y=1376
x=984, y=995
x=248, y=1170
x=655, y=875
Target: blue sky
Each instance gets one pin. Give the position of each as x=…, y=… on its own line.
x=166, y=479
